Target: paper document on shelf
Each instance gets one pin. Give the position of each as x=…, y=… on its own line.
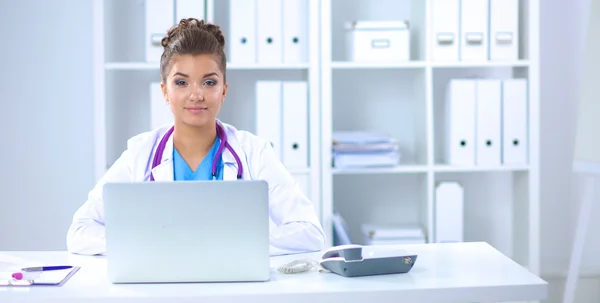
x=384, y=146
x=356, y=160
x=360, y=137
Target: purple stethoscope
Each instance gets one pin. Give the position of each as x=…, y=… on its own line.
x=224, y=144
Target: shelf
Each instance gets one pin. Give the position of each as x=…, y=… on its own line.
x=335, y=65
x=131, y=65
x=450, y=168
x=518, y=63
x=376, y=65
x=291, y=66
x=400, y=169
x=230, y=66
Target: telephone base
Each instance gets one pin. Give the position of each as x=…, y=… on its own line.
x=370, y=266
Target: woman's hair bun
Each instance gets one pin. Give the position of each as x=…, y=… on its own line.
x=193, y=25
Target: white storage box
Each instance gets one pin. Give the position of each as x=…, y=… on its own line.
x=378, y=41
x=393, y=234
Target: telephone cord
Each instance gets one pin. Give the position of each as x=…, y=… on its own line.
x=299, y=266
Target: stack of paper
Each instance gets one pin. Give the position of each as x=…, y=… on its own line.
x=353, y=149
x=393, y=235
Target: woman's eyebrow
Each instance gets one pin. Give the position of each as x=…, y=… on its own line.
x=186, y=76
x=180, y=74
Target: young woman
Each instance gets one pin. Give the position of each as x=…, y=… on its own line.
x=192, y=69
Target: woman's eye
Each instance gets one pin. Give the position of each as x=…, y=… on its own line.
x=180, y=82
x=210, y=82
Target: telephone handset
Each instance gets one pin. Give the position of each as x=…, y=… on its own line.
x=353, y=260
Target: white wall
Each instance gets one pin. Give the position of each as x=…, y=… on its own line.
x=45, y=118
x=46, y=108
x=562, y=44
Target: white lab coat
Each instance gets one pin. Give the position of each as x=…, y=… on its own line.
x=294, y=225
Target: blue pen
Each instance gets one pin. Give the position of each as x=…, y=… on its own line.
x=46, y=268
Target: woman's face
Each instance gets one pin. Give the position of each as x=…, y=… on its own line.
x=194, y=89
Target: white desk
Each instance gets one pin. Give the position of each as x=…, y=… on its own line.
x=466, y=272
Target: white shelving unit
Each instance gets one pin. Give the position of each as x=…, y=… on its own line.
x=404, y=100
x=122, y=77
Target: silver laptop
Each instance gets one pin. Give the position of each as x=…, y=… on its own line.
x=187, y=231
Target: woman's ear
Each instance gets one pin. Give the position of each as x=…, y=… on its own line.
x=224, y=92
x=163, y=88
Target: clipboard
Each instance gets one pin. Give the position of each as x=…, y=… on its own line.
x=47, y=278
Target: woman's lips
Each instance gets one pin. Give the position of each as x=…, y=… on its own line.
x=196, y=110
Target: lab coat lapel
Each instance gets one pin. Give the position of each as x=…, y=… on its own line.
x=229, y=171
x=230, y=167
x=164, y=171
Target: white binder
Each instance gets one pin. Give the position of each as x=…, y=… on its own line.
x=242, y=31
x=269, y=31
x=295, y=31
x=295, y=124
x=189, y=9
x=504, y=30
x=488, y=123
x=460, y=122
x=474, y=30
x=160, y=111
x=269, y=112
x=445, y=40
x=159, y=19
x=514, y=121
x=449, y=209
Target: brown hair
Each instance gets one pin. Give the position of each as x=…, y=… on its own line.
x=195, y=37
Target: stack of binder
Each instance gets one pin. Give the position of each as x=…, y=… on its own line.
x=356, y=149
x=393, y=234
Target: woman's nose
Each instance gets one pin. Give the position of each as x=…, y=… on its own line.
x=197, y=94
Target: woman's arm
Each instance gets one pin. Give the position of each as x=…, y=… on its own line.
x=86, y=235
x=296, y=227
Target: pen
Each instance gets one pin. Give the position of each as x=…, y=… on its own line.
x=46, y=268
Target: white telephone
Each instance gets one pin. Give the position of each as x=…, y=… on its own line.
x=353, y=260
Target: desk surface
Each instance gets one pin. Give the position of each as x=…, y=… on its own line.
x=464, y=272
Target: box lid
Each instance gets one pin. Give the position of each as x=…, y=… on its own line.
x=378, y=25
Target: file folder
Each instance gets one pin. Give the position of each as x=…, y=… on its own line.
x=269, y=31
x=460, y=122
x=242, y=35
x=449, y=212
x=488, y=122
x=445, y=21
x=514, y=121
x=160, y=111
x=189, y=9
x=474, y=30
x=159, y=19
x=504, y=30
x=295, y=31
x=295, y=124
x=269, y=113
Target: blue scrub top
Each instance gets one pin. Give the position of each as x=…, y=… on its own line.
x=183, y=172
